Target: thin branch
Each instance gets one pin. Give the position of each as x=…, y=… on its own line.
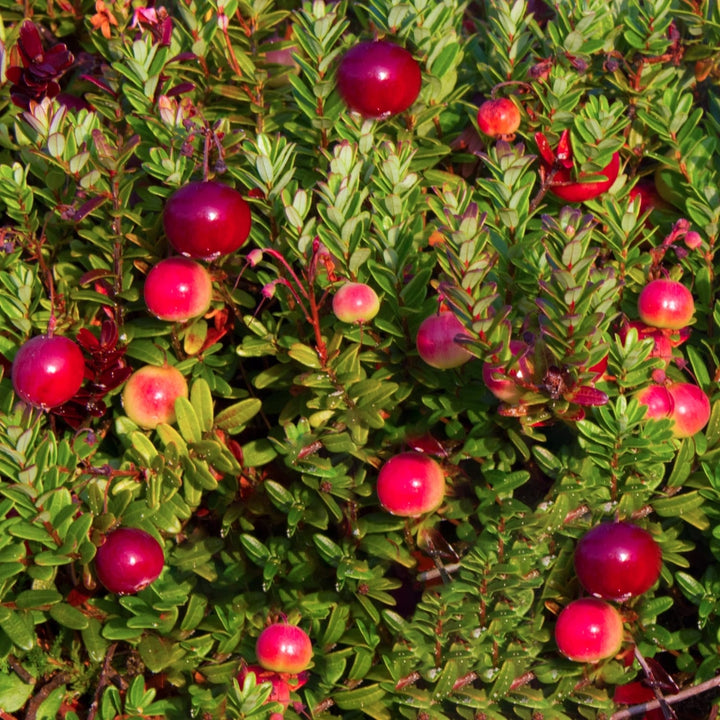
x=669, y=699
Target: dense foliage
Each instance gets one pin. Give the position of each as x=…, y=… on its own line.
x=262, y=492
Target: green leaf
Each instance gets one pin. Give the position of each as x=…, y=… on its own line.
x=187, y=420
x=234, y=418
x=69, y=616
x=14, y=693
x=202, y=402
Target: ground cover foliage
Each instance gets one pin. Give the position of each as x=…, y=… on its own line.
x=263, y=491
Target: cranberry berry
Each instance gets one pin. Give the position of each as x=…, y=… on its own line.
x=178, y=289
x=205, y=220
x=589, y=630
x=48, y=370
x=355, y=303
x=498, y=118
x=284, y=648
x=410, y=484
x=666, y=304
x=617, y=561
x=149, y=395
x=129, y=560
x=378, y=79
x=437, y=341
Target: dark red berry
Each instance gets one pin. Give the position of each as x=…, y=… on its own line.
x=129, y=560
x=378, y=79
x=206, y=219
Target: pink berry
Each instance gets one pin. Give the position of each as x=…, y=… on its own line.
x=206, y=219
x=378, y=79
x=410, y=484
x=48, y=370
x=693, y=239
x=284, y=648
x=129, y=560
x=506, y=385
x=355, y=303
x=149, y=395
x=498, y=118
x=691, y=409
x=177, y=289
x=437, y=341
x=589, y=630
x=617, y=561
x=666, y=304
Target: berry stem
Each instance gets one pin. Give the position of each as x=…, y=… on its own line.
x=643, y=708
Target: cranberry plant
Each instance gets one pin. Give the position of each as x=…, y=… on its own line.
x=375, y=279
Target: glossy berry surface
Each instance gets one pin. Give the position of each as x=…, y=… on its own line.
x=690, y=409
x=284, y=648
x=206, y=220
x=506, y=384
x=177, y=289
x=436, y=343
x=587, y=186
x=355, y=303
x=410, y=484
x=666, y=304
x=498, y=118
x=128, y=561
x=378, y=79
x=589, y=630
x=48, y=371
x=617, y=561
x=149, y=395
x=657, y=400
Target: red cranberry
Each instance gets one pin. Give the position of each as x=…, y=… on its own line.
x=691, y=409
x=588, y=186
x=498, y=118
x=177, y=289
x=589, y=630
x=505, y=384
x=436, y=341
x=284, y=648
x=149, y=395
x=378, y=79
x=617, y=561
x=355, y=303
x=206, y=219
x=666, y=304
x=410, y=484
x=128, y=561
x=48, y=371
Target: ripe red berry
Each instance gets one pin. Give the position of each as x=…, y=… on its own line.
x=410, y=484
x=206, y=219
x=129, y=560
x=691, y=409
x=684, y=403
x=177, y=289
x=378, y=79
x=588, y=186
x=617, y=561
x=589, y=630
x=436, y=341
x=498, y=118
x=505, y=384
x=284, y=648
x=48, y=371
x=666, y=304
x=355, y=303
x=149, y=395
x=658, y=401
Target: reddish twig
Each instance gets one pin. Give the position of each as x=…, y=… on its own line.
x=643, y=708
